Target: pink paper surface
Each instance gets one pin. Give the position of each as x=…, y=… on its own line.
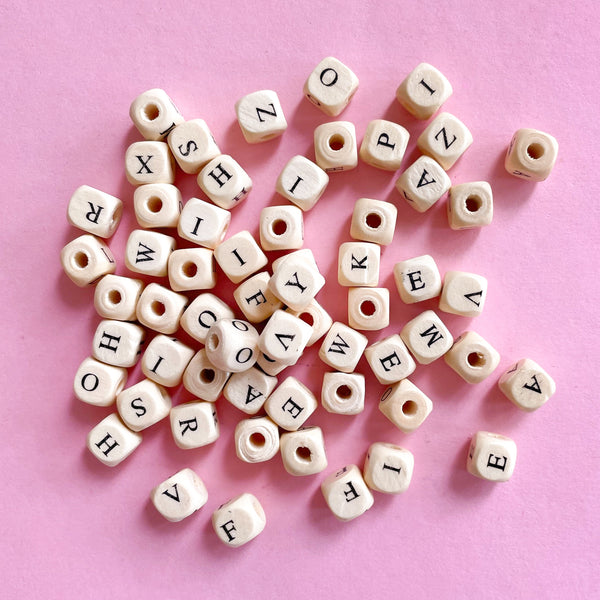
x=73, y=528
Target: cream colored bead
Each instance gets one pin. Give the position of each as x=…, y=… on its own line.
x=423, y=91
x=290, y=404
x=203, y=223
x=143, y=405
x=191, y=269
x=384, y=144
x=527, y=385
x=193, y=145
x=303, y=451
x=149, y=162
x=302, y=182
x=417, y=279
x=179, y=496
x=284, y=337
x=116, y=297
x=472, y=357
x=202, y=379
x=232, y=345
x=388, y=468
x=281, y=228
x=240, y=256
x=255, y=299
x=256, y=439
x=423, y=183
x=346, y=493
x=194, y=424
x=249, y=390
x=160, y=308
x=368, y=308
x=157, y=205
x=405, y=405
x=202, y=313
x=335, y=146
x=86, y=259
x=240, y=520
x=426, y=337
x=97, y=383
x=165, y=360
x=390, y=360
x=463, y=293
x=343, y=393
x=111, y=442
x=373, y=221
x=317, y=317
x=446, y=139
x=470, y=205
x=225, y=182
x=492, y=456
x=154, y=114
x=342, y=347
x=94, y=211
x=117, y=343
x=305, y=255
x=148, y=252
x=269, y=365
x=358, y=264
x=531, y=154
x=260, y=116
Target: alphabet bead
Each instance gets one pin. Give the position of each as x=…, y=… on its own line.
x=94, y=211
x=249, y=390
x=405, y=405
x=193, y=145
x=203, y=312
x=180, y=496
x=335, y=146
x=368, y=308
x=303, y=451
x=445, y=139
x=269, y=365
x=240, y=256
x=531, y=154
x=527, y=385
x=388, y=468
x=426, y=337
x=302, y=182
x=116, y=297
x=256, y=439
x=157, y=205
x=160, y=309
x=117, y=343
x=472, y=357
x=255, y=299
x=315, y=316
x=463, y=293
x=148, y=252
x=97, y=383
x=86, y=259
x=149, y=162
x=154, y=114
x=358, y=264
x=492, y=456
x=225, y=182
x=423, y=91
x=417, y=279
x=165, y=360
x=331, y=86
x=290, y=404
x=342, y=347
x=203, y=223
x=143, y=405
x=373, y=221
x=384, y=145
x=284, y=337
x=260, y=116
x=202, y=379
x=111, y=442
x=346, y=493
x=191, y=269
x=423, y=183
x=470, y=205
x=390, y=360
x=281, y=228
x=343, y=393
x=194, y=424
x=232, y=345
x=240, y=520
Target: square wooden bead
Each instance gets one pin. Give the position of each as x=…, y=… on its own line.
x=423, y=183
x=317, y=317
x=240, y=256
x=260, y=116
x=417, y=279
x=463, y=293
x=335, y=146
x=290, y=404
x=331, y=86
x=232, y=345
x=445, y=139
x=157, y=205
x=405, y=405
x=302, y=182
x=160, y=308
x=97, y=383
x=202, y=313
x=148, y=252
x=492, y=456
x=86, y=259
x=116, y=297
x=117, y=343
x=426, y=337
x=149, y=162
x=281, y=228
x=165, y=360
x=179, y=496
x=256, y=439
x=531, y=154
x=191, y=269
x=194, y=424
x=390, y=359
x=249, y=390
x=527, y=385
x=111, y=442
x=284, y=337
x=269, y=365
x=240, y=520
x=343, y=393
x=193, y=145
x=203, y=223
x=388, y=468
x=225, y=182
x=202, y=379
x=154, y=114
x=255, y=299
x=143, y=404
x=368, y=308
x=384, y=144
x=470, y=205
x=373, y=221
x=358, y=264
x=472, y=357
x=342, y=347
x=94, y=211
x=303, y=451
x=346, y=493
x=423, y=91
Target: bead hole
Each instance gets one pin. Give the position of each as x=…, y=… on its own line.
x=343, y=391
x=151, y=111
x=535, y=151
x=279, y=227
x=154, y=204
x=158, y=308
x=368, y=308
x=373, y=221
x=476, y=359
x=213, y=341
x=307, y=318
x=304, y=454
x=336, y=142
x=114, y=297
x=257, y=439
x=207, y=375
x=473, y=203
x=189, y=269
x=81, y=260
x=409, y=408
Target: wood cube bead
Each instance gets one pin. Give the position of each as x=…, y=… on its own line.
x=527, y=385
x=240, y=520
x=111, y=442
x=143, y=404
x=86, y=259
x=388, y=468
x=148, y=252
x=260, y=116
x=343, y=393
x=316, y=317
x=97, y=383
x=472, y=357
x=256, y=439
x=405, y=405
x=202, y=379
x=225, y=182
x=470, y=205
x=179, y=496
x=149, y=162
x=255, y=299
x=302, y=182
x=445, y=139
x=463, y=293
x=117, y=343
x=492, y=456
x=191, y=269
x=269, y=365
x=335, y=146
x=281, y=228
x=423, y=91
x=116, y=297
x=417, y=279
x=157, y=205
x=384, y=145
x=194, y=424
x=358, y=264
x=531, y=154
x=205, y=310
x=346, y=493
x=426, y=337
x=160, y=308
x=303, y=451
x=240, y=256
x=284, y=337
x=193, y=145
x=342, y=347
x=306, y=255
x=331, y=86
x=290, y=404
x=249, y=390
x=165, y=360
x=232, y=345
x=423, y=183
x=373, y=221
x=390, y=360
x=154, y=114
x=94, y=211
x=368, y=308
x=203, y=223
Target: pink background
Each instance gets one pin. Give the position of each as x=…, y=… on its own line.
x=73, y=528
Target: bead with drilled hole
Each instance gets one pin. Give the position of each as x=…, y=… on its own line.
x=86, y=259
x=373, y=221
x=335, y=146
x=256, y=439
x=343, y=393
x=405, y=405
x=472, y=357
x=303, y=451
x=531, y=155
